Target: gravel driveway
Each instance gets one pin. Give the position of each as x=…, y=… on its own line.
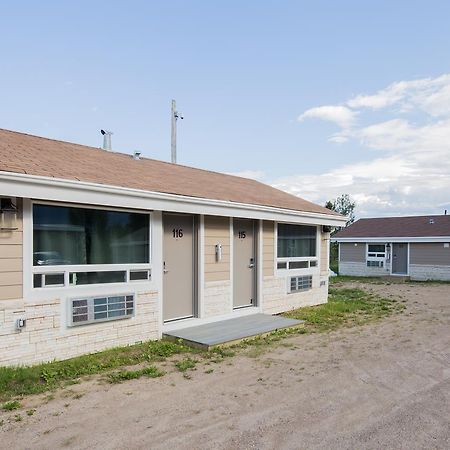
x=383, y=385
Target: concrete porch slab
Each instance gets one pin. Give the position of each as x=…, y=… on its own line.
x=231, y=330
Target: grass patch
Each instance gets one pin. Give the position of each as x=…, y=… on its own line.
x=345, y=307
x=429, y=281
x=185, y=364
x=11, y=406
x=19, y=381
x=349, y=278
x=123, y=375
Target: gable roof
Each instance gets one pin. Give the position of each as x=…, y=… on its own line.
x=33, y=155
x=413, y=226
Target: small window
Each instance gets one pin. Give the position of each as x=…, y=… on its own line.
x=80, y=278
x=298, y=284
x=54, y=279
x=376, y=248
x=282, y=265
x=313, y=264
x=41, y=280
x=99, y=309
x=298, y=264
x=139, y=275
x=37, y=280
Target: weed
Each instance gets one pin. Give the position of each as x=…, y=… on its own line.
x=209, y=371
x=11, y=406
x=18, y=418
x=185, y=364
x=123, y=375
x=345, y=307
x=30, y=412
x=25, y=380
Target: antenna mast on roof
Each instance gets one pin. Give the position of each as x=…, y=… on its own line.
x=175, y=115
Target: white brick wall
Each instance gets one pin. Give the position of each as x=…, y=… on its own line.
x=45, y=339
x=425, y=272
x=276, y=298
x=360, y=269
x=217, y=298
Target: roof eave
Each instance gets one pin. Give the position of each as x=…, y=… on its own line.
x=394, y=239
x=64, y=190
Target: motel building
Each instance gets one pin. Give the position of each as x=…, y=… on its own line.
x=100, y=249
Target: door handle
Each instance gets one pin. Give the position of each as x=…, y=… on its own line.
x=252, y=264
x=164, y=268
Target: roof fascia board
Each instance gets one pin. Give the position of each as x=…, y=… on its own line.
x=56, y=189
x=393, y=239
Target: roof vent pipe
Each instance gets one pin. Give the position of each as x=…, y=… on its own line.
x=106, y=139
x=445, y=212
x=137, y=155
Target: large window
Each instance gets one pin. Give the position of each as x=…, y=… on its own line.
x=296, y=246
x=94, y=246
x=78, y=236
x=295, y=241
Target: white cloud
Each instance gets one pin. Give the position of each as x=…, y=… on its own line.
x=341, y=115
x=431, y=95
x=411, y=172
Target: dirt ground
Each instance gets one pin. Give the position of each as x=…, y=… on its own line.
x=383, y=385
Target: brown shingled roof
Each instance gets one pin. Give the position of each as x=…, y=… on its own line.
x=33, y=155
x=413, y=226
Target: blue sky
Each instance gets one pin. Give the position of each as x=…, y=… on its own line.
x=251, y=79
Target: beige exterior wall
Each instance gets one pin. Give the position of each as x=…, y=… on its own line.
x=276, y=298
x=217, y=298
x=45, y=338
x=324, y=253
x=11, y=255
x=352, y=252
x=217, y=231
x=268, y=256
x=429, y=254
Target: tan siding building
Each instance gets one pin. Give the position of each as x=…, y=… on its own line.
x=160, y=245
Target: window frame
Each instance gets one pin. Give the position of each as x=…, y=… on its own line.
x=303, y=271
x=379, y=257
x=69, y=268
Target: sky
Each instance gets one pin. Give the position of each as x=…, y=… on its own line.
x=318, y=98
